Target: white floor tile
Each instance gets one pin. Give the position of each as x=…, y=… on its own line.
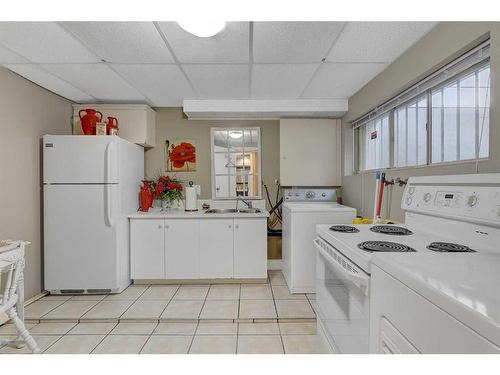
x=121, y=344
x=213, y=345
x=164, y=344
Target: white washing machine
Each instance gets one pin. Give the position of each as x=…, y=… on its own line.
x=303, y=208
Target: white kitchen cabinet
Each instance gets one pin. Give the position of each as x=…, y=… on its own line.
x=198, y=248
x=147, y=249
x=310, y=152
x=250, y=248
x=182, y=248
x=216, y=248
x=136, y=122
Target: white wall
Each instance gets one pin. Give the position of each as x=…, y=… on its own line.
x=27, y=111
x=445, y=42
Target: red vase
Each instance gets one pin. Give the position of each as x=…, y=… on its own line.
x=112, y=126
x=145, y=197
x=89, y=120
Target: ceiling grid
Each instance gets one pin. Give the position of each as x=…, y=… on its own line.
x=161, y=64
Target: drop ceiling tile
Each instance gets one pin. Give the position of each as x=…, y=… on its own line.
x=377, y=41
x=122, y=42
x=280, y=81
x=44, y=42
x=288, y=42
x=229, y=46
x=52, y=83
x=10, y=57
x=97, y=80
x=341, y=81
x=219, y=81
x=164, y=85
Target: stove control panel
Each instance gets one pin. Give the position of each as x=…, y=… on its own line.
x=477, y=201
x=310, y=194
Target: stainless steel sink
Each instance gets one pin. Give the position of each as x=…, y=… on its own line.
x=250, y=211
x=221, y=211
x=233, y=211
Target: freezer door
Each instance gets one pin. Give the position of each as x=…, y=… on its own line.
x=80, y=237
x=80, y=159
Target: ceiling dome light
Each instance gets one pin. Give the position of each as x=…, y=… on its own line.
x=203, y=29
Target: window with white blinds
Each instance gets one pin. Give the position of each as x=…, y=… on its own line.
x=460, y=117
x=410, y=133
x=443, y=118
x=375, y=144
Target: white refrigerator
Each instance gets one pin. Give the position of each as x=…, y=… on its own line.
x=90, y=185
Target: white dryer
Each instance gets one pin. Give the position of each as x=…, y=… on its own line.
x=303, y=208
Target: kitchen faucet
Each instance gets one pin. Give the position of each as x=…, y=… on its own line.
x=248, y=203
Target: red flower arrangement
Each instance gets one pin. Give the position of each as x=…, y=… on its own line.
x=167, y=188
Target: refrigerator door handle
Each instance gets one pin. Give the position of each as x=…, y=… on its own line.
x=107, y=168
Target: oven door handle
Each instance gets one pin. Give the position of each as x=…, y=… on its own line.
x=362, y=281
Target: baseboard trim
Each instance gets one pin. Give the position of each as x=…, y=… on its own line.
x=198, y=281
x=275, y=264
x=35, y=298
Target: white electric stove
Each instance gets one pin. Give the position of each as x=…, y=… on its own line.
x=445, y=216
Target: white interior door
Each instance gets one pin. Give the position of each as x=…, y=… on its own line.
x=182, y=249
x=80, y=249
x=216, y=248
x=80, y=159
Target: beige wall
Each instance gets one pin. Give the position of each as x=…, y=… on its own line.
x=445, y=42
x=27, y=112
x=171, y=123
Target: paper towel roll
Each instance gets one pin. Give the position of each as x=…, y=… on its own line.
x=192, y=197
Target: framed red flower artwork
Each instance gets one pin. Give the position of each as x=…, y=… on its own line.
x=180, y=155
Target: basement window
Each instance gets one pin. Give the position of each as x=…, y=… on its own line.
x=443, y=118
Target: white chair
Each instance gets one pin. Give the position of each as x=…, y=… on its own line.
x=12, y=299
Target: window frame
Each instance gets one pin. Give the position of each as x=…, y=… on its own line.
x=259, y=163
x=358, y=161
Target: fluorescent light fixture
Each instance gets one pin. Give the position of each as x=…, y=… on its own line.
x=235, y=134
x=203, y=28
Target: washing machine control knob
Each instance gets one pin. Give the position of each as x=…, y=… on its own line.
x=310, y=194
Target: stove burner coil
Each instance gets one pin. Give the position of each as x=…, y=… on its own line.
x=391, y=229
x=448, y=247
x=344, y=229
x=385, y=247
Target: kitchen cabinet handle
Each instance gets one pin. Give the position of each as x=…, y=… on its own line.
x=236, y=226
x=229, y=226
x=159, y=226
x=166, y=226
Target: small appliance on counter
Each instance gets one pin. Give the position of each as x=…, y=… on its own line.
x=192, y=194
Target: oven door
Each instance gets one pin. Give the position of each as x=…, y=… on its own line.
x=342, y=298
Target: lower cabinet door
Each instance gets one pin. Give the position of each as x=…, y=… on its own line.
x=250, y=248
x=147, y=255
x=182, y=248
x=216, y=248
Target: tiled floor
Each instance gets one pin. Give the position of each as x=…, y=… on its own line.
x=172, y=338
x=154, y=303
x=229, y=319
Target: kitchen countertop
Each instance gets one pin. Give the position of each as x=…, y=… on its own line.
x=180, y=214
x=463, y=285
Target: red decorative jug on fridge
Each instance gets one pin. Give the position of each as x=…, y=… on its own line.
x=112, y=127
x=89, y=120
